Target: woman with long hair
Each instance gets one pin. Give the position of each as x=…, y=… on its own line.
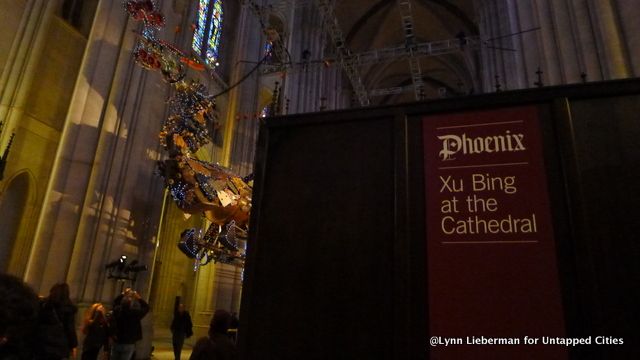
x=96, y=330
x=57, y=333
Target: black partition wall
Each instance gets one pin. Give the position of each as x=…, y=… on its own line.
x=498, y=226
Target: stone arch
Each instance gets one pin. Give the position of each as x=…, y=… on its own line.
x=451, y=9
x=276, y=35
x=17, y=206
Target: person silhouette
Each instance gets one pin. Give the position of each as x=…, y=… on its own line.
x=57, y=324
x=96, y=330
x=18, y=319
x=217, y=345
x=181, y=328
x=129, y=309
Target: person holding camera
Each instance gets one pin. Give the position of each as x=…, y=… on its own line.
x=96, y=330
x=125, y=327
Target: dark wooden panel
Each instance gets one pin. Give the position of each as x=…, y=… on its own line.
x=323, y=259
x=606, y=135
x=417, y=322
x=336, y=261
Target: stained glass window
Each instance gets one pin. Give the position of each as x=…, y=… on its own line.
x=201, y=24
x=206, y=38
x=268, y=50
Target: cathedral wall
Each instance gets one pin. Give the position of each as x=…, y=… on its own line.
x=173, y=271
x=102, y=200
x=38, y=83
x=55, y=74
x=10, y=17
x=557, y=42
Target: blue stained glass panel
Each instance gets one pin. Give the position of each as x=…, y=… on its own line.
x=207, y=44
x=198, y=35
x=213, y=39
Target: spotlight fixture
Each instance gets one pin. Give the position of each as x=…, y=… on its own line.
x=121, y=270
x=118, y=264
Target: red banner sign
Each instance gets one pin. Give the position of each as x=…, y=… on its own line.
x=492, y=273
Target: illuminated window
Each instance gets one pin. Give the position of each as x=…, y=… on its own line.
x=206, y=38
x=268, y=50
x=271, y=52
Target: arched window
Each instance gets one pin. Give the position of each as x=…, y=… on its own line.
x=274, y=46
x=268, y=51
x=206, y=38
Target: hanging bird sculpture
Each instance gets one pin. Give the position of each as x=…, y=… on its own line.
x=196, y=186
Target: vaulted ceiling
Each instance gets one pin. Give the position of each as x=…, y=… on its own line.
x=368, y=25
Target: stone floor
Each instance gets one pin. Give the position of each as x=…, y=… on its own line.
x=162, y=349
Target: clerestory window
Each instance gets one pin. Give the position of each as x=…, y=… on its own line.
x=206, y=37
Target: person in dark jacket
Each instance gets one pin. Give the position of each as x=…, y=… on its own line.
x=181, y=328
x=218, y=345
x=56, y=324
x=96, y=332
x=125, y=327
x=18, y=319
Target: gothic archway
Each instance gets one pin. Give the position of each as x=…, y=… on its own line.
x=15, y=207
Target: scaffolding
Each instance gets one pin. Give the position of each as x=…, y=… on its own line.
x=395, y=53
x=351, y=62
x=343, y=54
x=406, y=18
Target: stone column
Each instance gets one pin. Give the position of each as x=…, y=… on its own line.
x=240, y=134
x=577, y=39
x=628, y=13
x=610, y=37
x=102, y=200
x=305, y=87
x=18, y=72
x=204, y=299
x=173, y=273
x=333, y=90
